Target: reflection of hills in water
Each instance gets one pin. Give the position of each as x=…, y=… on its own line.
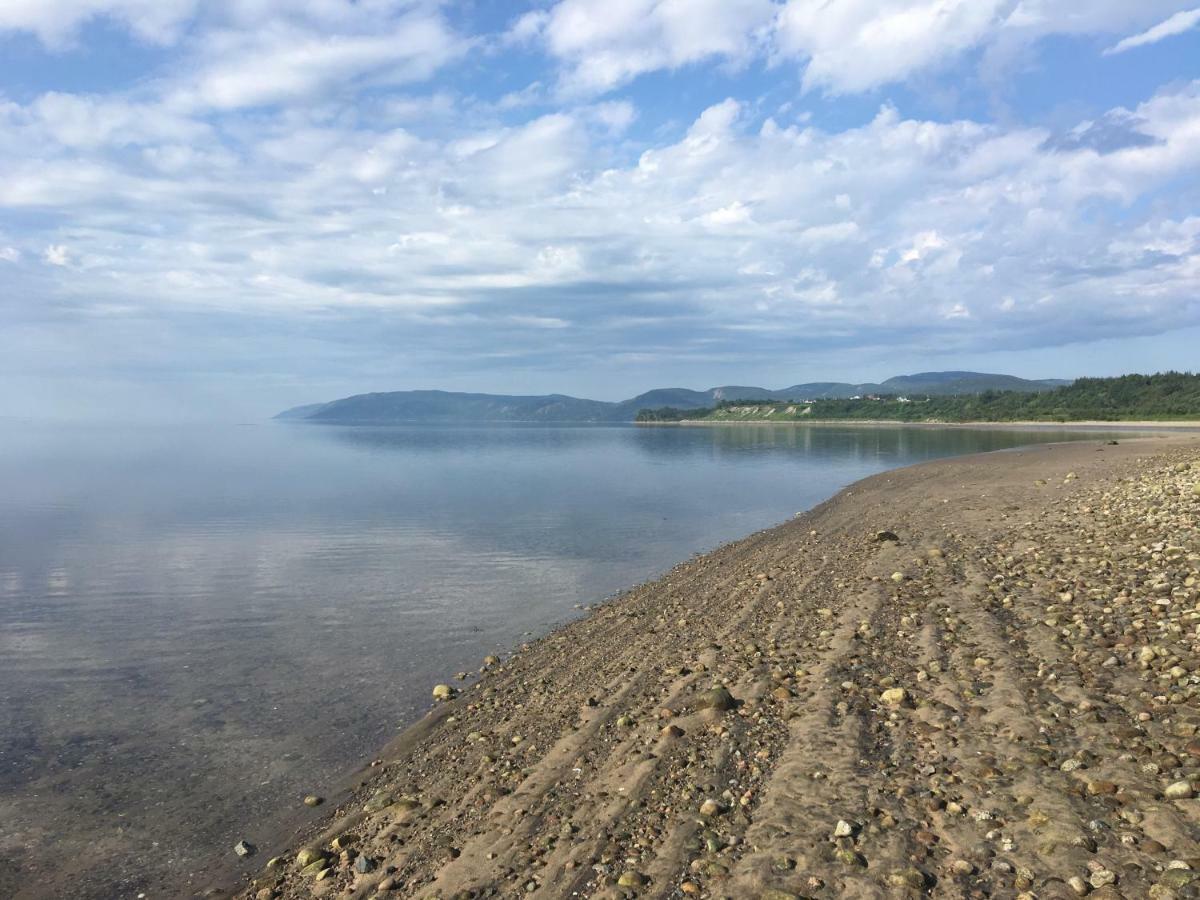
x=876, y=442
x=860, y=442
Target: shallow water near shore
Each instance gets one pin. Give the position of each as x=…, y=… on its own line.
x=199, y=626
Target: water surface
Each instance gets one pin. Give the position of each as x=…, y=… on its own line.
x=198, y=626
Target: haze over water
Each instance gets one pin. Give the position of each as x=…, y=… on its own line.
x=199, y=626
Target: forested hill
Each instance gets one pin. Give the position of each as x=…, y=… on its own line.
x=395, y=407
x=1163, y=397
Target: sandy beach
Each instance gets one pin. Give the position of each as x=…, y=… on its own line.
x=969, y=678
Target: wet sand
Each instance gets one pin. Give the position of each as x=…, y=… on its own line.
x=1000, y=701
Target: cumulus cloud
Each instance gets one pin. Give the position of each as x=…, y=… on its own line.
x=57, y=22
x=791, y=232
x=606, y=43
x=844, y=47
x=858, y=44
x=1176, y=24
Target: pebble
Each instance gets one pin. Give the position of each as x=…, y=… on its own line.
x=717, y=698
x=442, y=692
x=308, y=856
x=1179, y=790
x=364, y=864
x=894, y=696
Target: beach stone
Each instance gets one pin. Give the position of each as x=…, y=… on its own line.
x=364, y=864
x=343, y=842
x=308, y=856
x=718, y=698
x=907, y=878
x=378, y=801
x=1180, y=790
x=1102, y=877
x=850, y=858
x=632, y=879
x=244, y=848
x=887, y=537
x=442, y=692
x=313, y=800
x=1176, y=879
x=314, y=868
x=894, y=696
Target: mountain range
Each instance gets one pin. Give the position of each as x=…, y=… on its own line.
x=447, y=406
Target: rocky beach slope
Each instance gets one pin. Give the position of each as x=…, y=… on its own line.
x=969, y=678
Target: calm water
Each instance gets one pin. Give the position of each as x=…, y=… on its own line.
x=200, y=626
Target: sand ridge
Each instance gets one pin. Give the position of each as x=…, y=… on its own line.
x=1002, y=702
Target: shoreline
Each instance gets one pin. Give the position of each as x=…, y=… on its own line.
x=503, y=751
x=1147, y=425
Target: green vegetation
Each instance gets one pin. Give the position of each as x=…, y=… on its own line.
x=1164, y=397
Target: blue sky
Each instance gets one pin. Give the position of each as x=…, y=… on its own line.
x=224, y=208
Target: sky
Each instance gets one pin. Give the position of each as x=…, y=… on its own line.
x=220, y=208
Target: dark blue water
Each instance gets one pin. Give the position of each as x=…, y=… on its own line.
x=198, y=626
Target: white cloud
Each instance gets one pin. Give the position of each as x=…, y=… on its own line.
x=281, y=62
x=855, y=45
x=922, y=246
x=56, y=255
x=606, y=43
x=82, y=121
x=10, y=254
x=847, y=46
x=56, y=22
x=736, y=213
x=1176, y=24
x=834, y=232
x=858, y=45
x=616, y=115
x=780, y=231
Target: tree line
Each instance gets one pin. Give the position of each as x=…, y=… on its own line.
x=1164, y=396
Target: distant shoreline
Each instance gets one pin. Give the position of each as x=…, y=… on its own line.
x=1090, y=425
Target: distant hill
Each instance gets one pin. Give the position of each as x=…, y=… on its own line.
x=448, y=406
x=1164, y=397
x=951, y=383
